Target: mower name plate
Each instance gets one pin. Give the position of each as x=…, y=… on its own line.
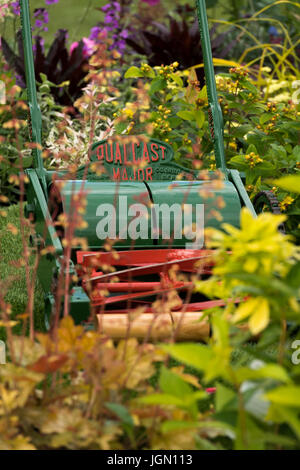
x=135, y=159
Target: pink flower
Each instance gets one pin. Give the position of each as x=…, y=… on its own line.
x=88, y=48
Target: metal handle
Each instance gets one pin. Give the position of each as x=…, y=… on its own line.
x=215, y=112
x=34, y=109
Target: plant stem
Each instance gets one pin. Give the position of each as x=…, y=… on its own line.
x=83, y=18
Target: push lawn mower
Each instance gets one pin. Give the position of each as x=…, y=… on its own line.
x=138, y=196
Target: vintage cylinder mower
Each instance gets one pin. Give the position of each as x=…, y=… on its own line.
x=150, y=210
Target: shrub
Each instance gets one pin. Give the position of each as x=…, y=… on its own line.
x=261, y=137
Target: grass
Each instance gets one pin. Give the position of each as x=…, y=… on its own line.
x=77, y=16
x=14, y=277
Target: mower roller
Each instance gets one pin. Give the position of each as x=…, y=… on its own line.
x=144, y=286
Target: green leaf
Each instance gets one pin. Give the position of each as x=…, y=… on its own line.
x=186, y=115
x=282, y=414
x=288, y=396
x=150, y=73
x=120, y=127
x=174, y=121
x=217, y=428
x=251, y=148
x=172, y=384
x=220, y=328
x=162, y=399
x=249, y=86
x=170, y=426
x=241, y=131
x=133, y=72
x=157, y=85
x=224, y=396
x=279, y=440
x=177, y=79
x=265, y=118
x=239, y=162
x=271, y=371
x=195, y=355
x=27, y=161
x=200, y=118
x=202, y=95
x=121, y=412
x=293, y=277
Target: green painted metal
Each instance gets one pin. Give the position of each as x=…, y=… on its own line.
x=215, y=112
x=45, y=233
x=204, y=193
x=79, y=306
x=113, y=209
x=235, y=177
x=34, y=109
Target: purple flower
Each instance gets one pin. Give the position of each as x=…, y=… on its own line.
x=106, y=7
x=117, y=6
x=16, y=7
x=95, y=31
x=124, y=34
x=42, y=18
x=112, y=24
x=50, y=2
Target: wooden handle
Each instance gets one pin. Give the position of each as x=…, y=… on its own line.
x=188, y=326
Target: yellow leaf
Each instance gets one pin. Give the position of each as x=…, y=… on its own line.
x=260, y=319
x=191, y=379
x=245, y=309
x=7, y=399
x=22, y=443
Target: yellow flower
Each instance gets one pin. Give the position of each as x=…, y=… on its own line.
x=288, y=201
